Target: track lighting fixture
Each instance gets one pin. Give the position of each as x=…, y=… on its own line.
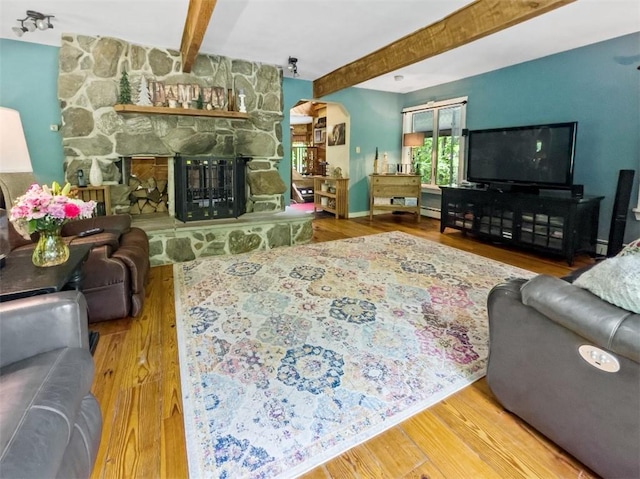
x=293, y=66
x=34, y=20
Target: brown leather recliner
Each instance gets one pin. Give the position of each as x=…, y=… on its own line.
x=117, y=268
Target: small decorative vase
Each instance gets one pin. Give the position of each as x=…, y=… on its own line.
x=50, y=249
x=242, y=108
x=95, y=174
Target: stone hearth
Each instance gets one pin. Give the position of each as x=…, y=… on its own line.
x=171, y=241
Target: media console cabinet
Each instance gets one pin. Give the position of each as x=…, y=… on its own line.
x=546, y=223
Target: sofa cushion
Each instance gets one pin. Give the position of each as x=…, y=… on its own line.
x=580, y=311
x=616, y=279
x=40, y=398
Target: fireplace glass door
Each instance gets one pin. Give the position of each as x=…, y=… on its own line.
x=209, y=187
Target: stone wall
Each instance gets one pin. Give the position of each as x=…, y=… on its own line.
x=90, y=69
x=189, y=243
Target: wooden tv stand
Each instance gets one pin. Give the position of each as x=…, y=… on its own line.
x=555, y=224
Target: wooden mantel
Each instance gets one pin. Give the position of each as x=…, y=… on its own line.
x=163, y=110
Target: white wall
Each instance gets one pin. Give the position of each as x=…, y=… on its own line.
x=338, y=155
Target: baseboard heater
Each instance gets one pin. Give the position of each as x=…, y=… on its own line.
x=430, y=212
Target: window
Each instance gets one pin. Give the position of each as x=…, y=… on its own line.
x=299, y=154
x=440, y=158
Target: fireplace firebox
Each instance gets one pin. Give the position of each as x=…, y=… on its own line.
x=209, y=187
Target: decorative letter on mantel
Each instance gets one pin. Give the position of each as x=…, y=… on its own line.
x=183, y=94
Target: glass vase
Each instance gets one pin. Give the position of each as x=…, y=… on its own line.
x=50, y=250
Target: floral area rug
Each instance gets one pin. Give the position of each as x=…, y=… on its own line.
x=290, y=357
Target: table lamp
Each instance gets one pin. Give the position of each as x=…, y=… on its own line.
x=14, y=158
x=412, y=140
x=14, y=155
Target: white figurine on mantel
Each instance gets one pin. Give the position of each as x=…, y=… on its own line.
x=384, y=163
x=242, y=108
x=95, y=173
x=144, y=99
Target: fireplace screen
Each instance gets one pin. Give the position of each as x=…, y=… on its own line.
x=209, y=187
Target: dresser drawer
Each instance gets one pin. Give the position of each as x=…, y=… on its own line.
x=395, y=185
x=396, y=180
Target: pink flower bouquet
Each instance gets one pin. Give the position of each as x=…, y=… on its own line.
x=45, y=209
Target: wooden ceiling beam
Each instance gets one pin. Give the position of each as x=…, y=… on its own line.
x=195, y=26
x=473, y=21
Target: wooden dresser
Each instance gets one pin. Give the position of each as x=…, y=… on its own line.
x=395, y=193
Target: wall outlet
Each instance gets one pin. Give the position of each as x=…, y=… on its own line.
x=357, y=149
x=54, y=127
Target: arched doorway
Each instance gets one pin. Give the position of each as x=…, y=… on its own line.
x=319, y=145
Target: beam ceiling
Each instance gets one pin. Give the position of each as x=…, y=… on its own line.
x=195, y=26
x=472, y=22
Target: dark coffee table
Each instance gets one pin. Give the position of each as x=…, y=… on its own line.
x=20, y=278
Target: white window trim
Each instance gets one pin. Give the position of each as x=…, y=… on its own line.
x=407, y=127
x=435, y=104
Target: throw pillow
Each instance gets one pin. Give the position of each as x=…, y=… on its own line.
x=616, y=280
x=631, y=248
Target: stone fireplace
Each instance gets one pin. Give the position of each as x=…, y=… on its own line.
x=90, y=70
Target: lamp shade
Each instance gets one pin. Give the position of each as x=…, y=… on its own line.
x=14, y=155
x=413, y=139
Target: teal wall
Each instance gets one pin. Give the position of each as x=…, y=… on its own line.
x=590, y=85
x=29, y=83
x=376, y=121
x=292, y=92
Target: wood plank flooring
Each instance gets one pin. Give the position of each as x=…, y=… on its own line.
x=468, y=435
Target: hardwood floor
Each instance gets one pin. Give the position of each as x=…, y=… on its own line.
x=468, y=435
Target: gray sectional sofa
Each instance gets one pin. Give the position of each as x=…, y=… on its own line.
x=50, y=423
x=568, y=363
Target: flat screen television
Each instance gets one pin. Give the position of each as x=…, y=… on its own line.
x=537, y=155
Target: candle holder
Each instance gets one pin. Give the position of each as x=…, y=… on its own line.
x=242, y=108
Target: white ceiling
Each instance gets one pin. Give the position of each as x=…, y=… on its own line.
x=326, y=34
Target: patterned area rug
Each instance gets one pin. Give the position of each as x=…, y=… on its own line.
x=289, y=357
